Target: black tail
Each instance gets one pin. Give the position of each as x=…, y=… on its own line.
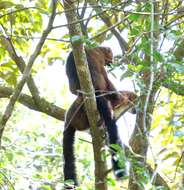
x=110, y=123
x=69, y=157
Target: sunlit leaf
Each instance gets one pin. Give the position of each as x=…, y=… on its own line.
x=6, y=4
x=9, y=156
x=170, y=155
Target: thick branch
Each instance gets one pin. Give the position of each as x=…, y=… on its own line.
x=47, y=107
x=53, y=110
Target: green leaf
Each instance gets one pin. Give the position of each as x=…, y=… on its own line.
x=127, y=74
x=45, y=187
x=9, y=155
x=158, y=56
x=111, y=181
x=6, y=139
x=136, y=68
x=135, y=30
x=19, y=6
x=134, y=17
x=170, y=155
x=6, y=4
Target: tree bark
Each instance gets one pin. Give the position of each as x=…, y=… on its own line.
x=139, y=142
x=28, y=101
x=87, y=88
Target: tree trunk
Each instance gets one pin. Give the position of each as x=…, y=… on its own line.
x=139, y=140
x=139, y=143
x=87, y=87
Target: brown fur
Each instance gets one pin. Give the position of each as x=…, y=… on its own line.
x=97, y=58
x=76, y=116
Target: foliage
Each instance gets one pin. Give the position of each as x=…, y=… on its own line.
x=169, y=124
x=31, y=153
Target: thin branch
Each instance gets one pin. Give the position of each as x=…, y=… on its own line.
x=165, y=8
x=26, y=73
x=158, y=181
x=78, y=21
x=108, y=29
x=7, y=182
x=26, y=100
x=20, y=10
x=86, y=24
x=155, y=14
x=35, y=38
x=174, y=20
x=175, y=24
x=83, y=9
x=85, y=19
x=106, y=19
x=132, y=48
x=152, y=74
x=180, y=159
x=7, y=43
x=107, y=8
x=83, y=140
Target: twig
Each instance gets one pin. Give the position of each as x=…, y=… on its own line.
x=7, y=43
x=92, y=6
x=85, y=141
x=35, y=38
x=182, y=155
x=78, y=21
x=83, y=19
x=155, y=14
x=74, y=114
x=8, y=182
x=150, y=87
x=106, y=19
x=20, y=10
x=108, y=29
